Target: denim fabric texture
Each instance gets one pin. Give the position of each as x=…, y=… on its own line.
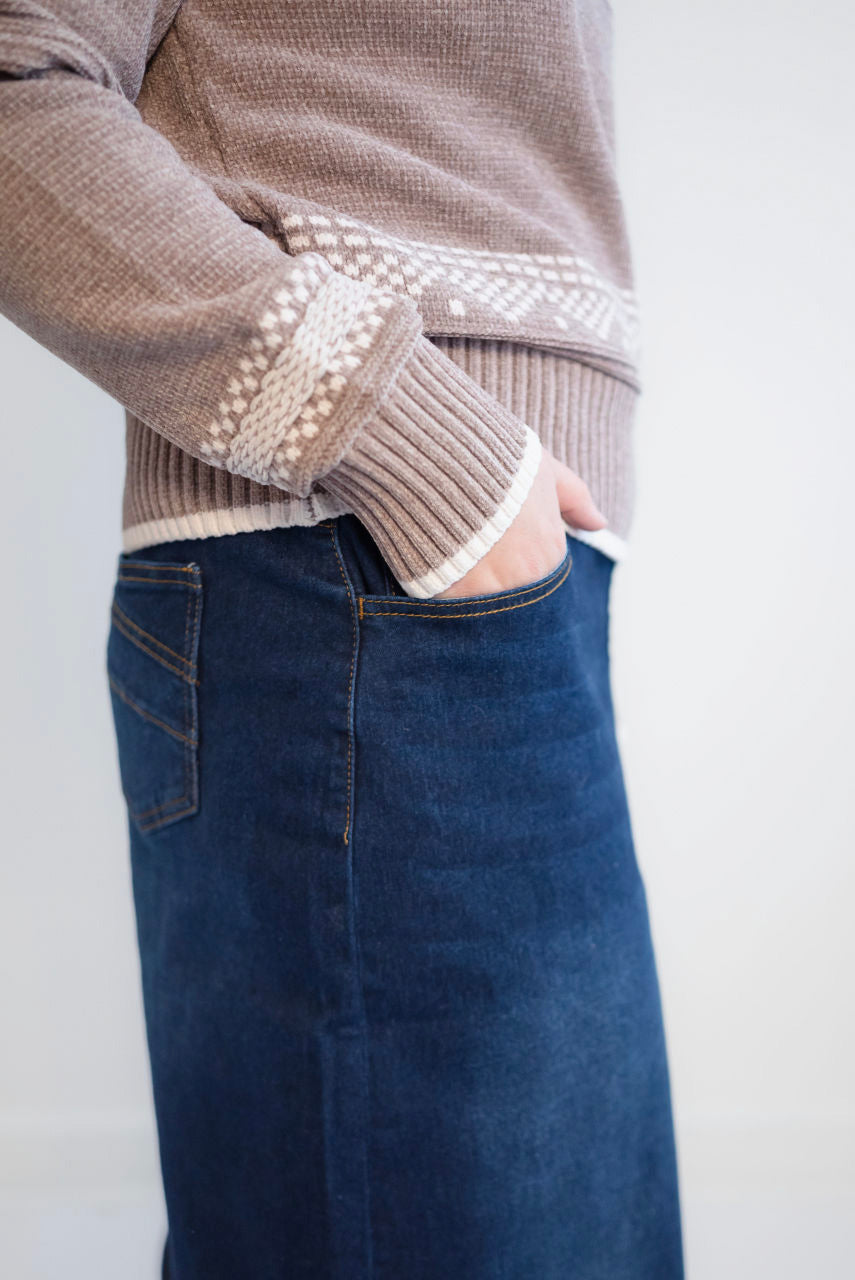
x=401, y=999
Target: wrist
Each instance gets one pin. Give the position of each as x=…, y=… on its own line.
x=439, y=474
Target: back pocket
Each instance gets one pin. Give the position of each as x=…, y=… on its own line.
x=152, y=655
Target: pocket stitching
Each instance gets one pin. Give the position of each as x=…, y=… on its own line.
x=191, y=764
x=165, y=811
x=146, y=715
x=138, y=814
x=413, y=610
x=350, y=737
x=135, y=563
x=129, y=622
x=168, y=582
x=120, y=625
x=158, y=808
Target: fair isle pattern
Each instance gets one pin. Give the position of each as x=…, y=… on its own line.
x=294, y=374
x=581, y=414
x=559, y=291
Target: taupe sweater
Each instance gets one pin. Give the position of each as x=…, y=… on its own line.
x=330, y=255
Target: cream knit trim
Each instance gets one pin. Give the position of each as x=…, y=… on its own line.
x=224, y=520
x=301, y=511
x=581, y=414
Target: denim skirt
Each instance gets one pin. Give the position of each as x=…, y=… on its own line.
x=401, y=1002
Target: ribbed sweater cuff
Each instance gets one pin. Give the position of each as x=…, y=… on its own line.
x=439, y=474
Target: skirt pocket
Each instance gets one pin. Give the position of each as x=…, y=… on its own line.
x=152, y=669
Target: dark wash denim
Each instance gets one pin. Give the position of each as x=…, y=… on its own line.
x=401, y=1001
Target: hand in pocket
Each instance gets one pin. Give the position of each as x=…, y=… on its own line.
x=535, y=541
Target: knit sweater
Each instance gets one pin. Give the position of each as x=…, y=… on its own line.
x=330, y=256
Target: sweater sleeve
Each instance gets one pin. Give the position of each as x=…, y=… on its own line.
x=117, y=256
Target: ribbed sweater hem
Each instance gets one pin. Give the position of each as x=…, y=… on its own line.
x=580, y=414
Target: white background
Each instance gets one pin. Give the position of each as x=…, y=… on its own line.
x=732, y=651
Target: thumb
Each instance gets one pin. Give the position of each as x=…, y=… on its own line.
x=574, y=499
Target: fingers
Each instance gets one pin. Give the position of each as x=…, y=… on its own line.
x=574, y=498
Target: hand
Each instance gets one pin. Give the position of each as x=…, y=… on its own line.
x=534, y=542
